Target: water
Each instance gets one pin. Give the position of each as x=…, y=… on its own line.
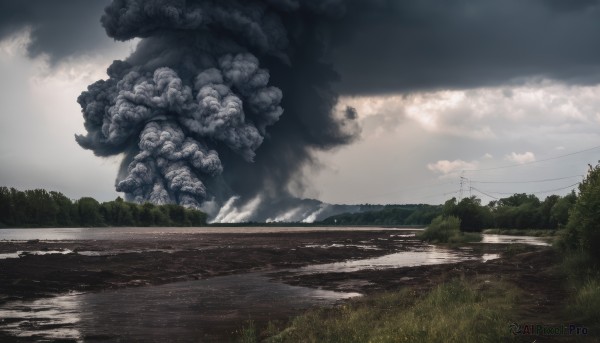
x=163, y=233
x=194, y=310
x=427, y=255
x=505, y=239
x=204, y=310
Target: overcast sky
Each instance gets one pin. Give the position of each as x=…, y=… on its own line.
x=503, y=93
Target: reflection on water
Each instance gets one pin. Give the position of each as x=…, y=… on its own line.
x=489, y=257
x=329, y=246
x=125, y=233
x=41, y=252
x=54, y=318
x=505, y=239
x=427, y=256
x=195, y=310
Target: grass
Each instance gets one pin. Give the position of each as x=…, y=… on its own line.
x=519, y=232
x=457, y=311
x=583, y=279
x=585, y=303
x=248, y=333
x=447, y=230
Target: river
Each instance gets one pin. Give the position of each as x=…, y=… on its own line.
x=202, y=310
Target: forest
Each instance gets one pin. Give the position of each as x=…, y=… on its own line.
x=519, y=211
x=40, y=208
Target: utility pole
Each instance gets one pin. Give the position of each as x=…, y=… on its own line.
x=464, y=182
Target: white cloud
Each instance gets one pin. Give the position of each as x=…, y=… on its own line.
x=525, y=157
x=488, y=156
x=451, y=167
x=543, y=106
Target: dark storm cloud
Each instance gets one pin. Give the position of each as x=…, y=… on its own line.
x=60, y=28
x=389, y=46
x=376, y=45
x=232, y=97
x=198, y=107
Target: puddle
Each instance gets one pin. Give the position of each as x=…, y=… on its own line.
x=328, y=246
x=489, y=257
x=505, y=239
x=19, y=254
x=194, y=310
x=427, y=256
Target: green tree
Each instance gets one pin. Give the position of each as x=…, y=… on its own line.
x=559, y=214
x=89, y=212
x=65, y=209
x=6, y=207
x=146, y=215
x=473, y=217
x=195, y=217
x=583, y=227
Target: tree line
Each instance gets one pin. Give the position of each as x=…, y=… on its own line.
x=390, y=215
x=518, y=211
x=40, y=208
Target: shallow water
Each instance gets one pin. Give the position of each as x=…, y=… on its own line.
x=193, y=310
x=204, y=310
x=141, y=233
x=422, y=256
x=505, y=239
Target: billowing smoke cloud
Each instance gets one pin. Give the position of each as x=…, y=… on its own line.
x=198, y=108
x=250, y=60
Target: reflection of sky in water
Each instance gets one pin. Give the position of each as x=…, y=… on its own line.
x=55, y=318
x=20, y=253
x=158, y=232
x=194, y=309
x=505, y=239
x=182, y=310
x=427, y=256
x=489, y=257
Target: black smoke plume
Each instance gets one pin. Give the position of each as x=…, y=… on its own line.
x=221, y=98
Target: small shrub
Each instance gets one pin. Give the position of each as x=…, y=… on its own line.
x=441, y=229
x=447, y=230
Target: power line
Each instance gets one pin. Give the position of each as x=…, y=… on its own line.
x=530, y=181
x=491, y=196
x=437, y=195
x=534, y=162
x=538, y=192
x=371, y=196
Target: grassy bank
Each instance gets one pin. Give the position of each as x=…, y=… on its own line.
x=583, y=282
x=457, y=311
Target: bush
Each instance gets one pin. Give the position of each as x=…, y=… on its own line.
x=583, y=228
x=447, y=230
x=441, y=229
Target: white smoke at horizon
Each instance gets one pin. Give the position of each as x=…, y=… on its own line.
x=232, y=212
